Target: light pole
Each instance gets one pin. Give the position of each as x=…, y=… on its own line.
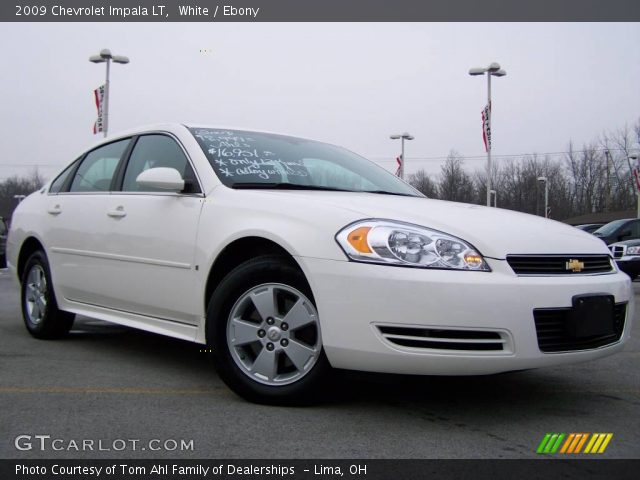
x=546, y=195
x=635, y=173
x=495, y=197
x=403, y=136
x=105, y=57
x=492, y=70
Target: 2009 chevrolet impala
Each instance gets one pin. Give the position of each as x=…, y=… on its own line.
x=288, y=257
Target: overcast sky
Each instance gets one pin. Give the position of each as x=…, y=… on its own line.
x=348, y=84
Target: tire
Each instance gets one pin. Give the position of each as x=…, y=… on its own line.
x=264, y=331
x=40, y=310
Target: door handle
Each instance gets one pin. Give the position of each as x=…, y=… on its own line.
x=55, y=210
x=117, y=212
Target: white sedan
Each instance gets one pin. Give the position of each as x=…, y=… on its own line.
x=287, y=257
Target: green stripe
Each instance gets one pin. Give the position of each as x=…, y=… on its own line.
x=550, y=443
x=543, y=443
x=558, y=443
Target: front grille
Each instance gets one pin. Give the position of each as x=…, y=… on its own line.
x=559, y=264
x=552, y=324
x=617, y=251
x=441, y=339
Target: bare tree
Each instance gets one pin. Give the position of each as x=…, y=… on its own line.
x=422, y=182
x=21, y=185
x=455, y=182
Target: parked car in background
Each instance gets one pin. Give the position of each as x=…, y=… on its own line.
x=3, y=243
x=288, y=257
x=627, y=256
x=619, y=230
x=589, y=227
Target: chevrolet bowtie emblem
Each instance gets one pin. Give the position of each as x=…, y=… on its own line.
x=574, y=265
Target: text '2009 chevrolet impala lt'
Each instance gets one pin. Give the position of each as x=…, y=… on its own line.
x=288, y=257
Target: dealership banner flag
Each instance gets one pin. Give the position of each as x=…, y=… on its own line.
x=98, y=95
x=486, y=127
x=399, y=160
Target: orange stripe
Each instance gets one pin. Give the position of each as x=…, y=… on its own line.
x=584, y=439
x=567, y=442
x=574, y=443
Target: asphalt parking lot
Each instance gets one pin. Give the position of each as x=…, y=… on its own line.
x=105, y=383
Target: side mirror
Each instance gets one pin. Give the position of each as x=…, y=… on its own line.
x=161, y=178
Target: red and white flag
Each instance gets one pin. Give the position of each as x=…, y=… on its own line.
x=98, y=95
x=399, y=161
x=486, y=127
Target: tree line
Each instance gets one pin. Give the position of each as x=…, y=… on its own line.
x=597, y=177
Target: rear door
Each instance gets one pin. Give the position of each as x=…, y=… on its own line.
x=76, y=213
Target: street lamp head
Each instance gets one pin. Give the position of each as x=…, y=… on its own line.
x=120, y=59
x=404, y=135
x=542, y=179
x=494, y=67
x=105, y=53
x=96, y=59
x=499, y=73
x=477, y=71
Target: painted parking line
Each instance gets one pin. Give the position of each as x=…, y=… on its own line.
x=104, y=390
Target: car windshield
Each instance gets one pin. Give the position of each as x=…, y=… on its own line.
x=609, y=228
x=243, y=159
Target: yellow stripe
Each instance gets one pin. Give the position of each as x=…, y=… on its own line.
x=584, y=439
x=595, y=447
x=605, y=443
x=574, y=443
x=594, y=437
x=567, y=442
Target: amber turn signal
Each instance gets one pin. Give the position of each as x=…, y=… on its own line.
x=358, y=239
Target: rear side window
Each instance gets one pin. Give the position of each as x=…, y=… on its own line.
x=153, y=151
x=59, y=182
x=97, y=168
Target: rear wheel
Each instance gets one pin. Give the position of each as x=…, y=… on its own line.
x=265, y=333
x=40, y=310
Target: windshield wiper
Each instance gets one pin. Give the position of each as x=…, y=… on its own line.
x=385, y=192
x=283, y=186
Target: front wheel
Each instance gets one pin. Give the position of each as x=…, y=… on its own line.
x=40, y=310
x=264, y=329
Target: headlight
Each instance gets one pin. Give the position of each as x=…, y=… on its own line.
x=633, y=250
x=395, y=243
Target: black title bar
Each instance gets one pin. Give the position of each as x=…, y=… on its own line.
x=326, y=469
x=320, y=11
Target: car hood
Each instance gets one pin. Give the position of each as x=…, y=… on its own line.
x=494, y=232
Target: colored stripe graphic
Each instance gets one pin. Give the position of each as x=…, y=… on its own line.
x=598, y=442
x=550, y=443
x=573, y=443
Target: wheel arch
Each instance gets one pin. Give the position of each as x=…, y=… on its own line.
x=30, y=245
x=239, y=251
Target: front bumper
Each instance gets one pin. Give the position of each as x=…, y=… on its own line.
x=355, y=299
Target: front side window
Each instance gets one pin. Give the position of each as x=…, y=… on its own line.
x=153, y=151
x=243, y=159
x=97, y=168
